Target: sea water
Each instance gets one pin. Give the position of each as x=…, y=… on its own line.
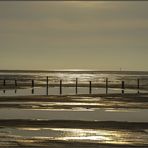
x=69, y=77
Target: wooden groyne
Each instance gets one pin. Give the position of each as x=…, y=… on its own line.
x=32, y=83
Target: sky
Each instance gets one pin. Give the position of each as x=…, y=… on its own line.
x=74, y=35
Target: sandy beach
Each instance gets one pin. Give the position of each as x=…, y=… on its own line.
x=70, y=116
x=74, y=121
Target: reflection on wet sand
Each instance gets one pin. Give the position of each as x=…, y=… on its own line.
x=74, y=121
x=71, y=102
x=30, y=136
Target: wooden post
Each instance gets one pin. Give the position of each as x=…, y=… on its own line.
x=32, y=83
x=138, y=85
x=47, y=86
x=89, y=87
x=15, y=82
x=122, y=86
x=60, y=87
x=32, y=87
x=106, y=85
x=32, y=91
x=76, y=85
x=4, y=84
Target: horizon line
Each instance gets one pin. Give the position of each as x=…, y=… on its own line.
x=69, y=70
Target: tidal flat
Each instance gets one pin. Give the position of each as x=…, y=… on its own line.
x=93, y=121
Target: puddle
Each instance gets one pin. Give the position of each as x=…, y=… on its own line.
x=132, y=115
x=24, y=136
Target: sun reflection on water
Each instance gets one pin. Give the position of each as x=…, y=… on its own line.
x=89, y=135
x=39, y=135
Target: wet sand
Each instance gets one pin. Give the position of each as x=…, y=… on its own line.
x=60, y=121
x=61, y=133
x=74, y=124
x=28, y=118
x=136, y=101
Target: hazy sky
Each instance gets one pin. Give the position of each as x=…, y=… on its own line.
x=74, y=35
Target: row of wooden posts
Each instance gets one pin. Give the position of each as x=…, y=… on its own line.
x=76, y=86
